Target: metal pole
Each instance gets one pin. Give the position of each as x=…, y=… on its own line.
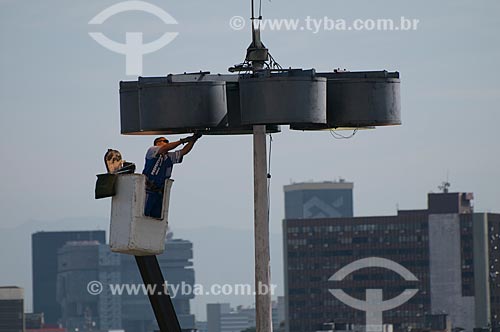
x=263, y=313
x=160, y=300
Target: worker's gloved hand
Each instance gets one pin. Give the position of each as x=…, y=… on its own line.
x=190, y=138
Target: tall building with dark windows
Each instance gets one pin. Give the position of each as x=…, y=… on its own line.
x=11, y=309
x=44, y=246
x=313, y=200
x=452, y=252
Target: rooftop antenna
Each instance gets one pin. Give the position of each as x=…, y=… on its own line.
x=445, y=185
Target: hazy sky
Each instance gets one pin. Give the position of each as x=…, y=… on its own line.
x=59, y=107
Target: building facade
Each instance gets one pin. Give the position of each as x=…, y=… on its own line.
x=451, y=251
x=222, y=318
x=44, y=246
x=83, y=262
x=177, y=267
x=33, y=321
x=80, y=264
x=312, y=200
x=11, y=309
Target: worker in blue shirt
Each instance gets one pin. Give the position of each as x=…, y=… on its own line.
x=158, y=168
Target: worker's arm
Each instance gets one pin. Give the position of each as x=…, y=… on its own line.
x=170, y=146
x=185, y=150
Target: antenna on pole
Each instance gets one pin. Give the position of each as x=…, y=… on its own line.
x=257, y=53
x=258, y=56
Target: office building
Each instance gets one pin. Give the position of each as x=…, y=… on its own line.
x=201, y=326
x=312, y=200
x=177, y=267
x=33, y=321
x=452, y=251
x=222, y=318
x=82, y=261
x=11, y=309
x=279, y=313
x=44, y=246
x=80, y=264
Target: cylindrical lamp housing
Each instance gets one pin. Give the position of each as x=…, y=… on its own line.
x=174, y=107
x=129, y=108
x=361, y=99
x=295, y=97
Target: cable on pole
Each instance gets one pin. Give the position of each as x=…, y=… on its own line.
x=269, y=177
x=337, y=135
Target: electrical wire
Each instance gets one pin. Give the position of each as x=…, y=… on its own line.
x=260, y=13
x=269, y=177
x=253, y=15
x=336, y=135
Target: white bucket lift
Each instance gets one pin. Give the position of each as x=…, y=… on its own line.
x=131, y=232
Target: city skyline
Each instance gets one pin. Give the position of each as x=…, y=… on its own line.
x=435, y=204
x=203, y=250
